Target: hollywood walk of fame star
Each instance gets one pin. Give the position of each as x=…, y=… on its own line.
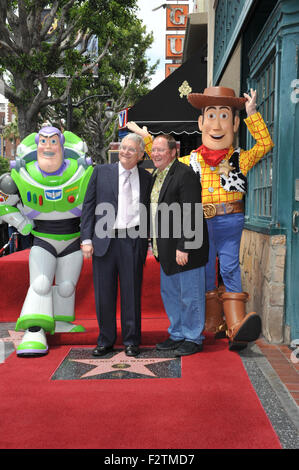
x=14, y=337
x=121, y=361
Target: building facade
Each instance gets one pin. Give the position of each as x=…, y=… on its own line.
x=255, y=44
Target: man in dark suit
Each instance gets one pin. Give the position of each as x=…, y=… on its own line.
x=110, y=234
x=180, y=243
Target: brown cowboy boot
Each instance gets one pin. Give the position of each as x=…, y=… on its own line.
x=214, y=314
x=242, y=328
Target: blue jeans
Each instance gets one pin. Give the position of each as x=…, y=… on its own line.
x=225, y=233
x=183, y=296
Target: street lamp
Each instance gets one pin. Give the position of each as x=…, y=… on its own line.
x=109, y=112
x=162, y=6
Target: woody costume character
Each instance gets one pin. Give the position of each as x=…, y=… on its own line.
x=222, y=170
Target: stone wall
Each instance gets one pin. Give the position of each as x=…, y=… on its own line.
x=262, y=259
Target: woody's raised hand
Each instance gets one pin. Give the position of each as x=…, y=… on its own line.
x=133, y=127
x=250, y=104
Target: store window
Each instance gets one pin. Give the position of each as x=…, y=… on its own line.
x=259, y=202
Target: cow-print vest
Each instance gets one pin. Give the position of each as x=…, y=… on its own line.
x=235, y=181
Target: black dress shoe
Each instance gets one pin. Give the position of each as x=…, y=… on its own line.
x=187, y=348
x=132, y=350
x=102, y=350
x=169, y=345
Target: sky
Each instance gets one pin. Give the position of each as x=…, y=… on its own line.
x=155, y=21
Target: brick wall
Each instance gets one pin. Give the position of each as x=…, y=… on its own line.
x=262, y=259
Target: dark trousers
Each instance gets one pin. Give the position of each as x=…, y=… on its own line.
x=122, y=261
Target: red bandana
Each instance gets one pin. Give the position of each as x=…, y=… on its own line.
x=212, y=157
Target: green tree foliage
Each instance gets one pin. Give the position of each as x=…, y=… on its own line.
x=125, y=75
x=40, y=39
x=4, y=165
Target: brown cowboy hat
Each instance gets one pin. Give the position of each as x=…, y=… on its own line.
x=216, y=96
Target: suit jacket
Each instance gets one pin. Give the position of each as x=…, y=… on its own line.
x=103, y=188
x=181, y=185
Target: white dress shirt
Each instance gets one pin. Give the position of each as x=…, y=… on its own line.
x=135, y=185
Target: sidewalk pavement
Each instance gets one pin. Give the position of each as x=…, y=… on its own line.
x=273, y=370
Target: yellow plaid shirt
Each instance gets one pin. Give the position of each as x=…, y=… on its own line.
x=212, y=191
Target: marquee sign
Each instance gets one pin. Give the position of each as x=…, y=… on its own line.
x=176, y=17
x=169, y=68
x=176, y=20
x=174, y=46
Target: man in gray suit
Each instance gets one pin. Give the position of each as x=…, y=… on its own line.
x=110, y=233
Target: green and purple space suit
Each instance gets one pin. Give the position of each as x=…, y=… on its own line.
x=48, y=205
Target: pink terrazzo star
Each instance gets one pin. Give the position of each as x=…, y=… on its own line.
x=14, y=337
x=119, y=362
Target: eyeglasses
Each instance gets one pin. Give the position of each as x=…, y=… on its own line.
x=158, y=150
x=130, y=150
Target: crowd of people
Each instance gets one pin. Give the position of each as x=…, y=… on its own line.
x=192, y=210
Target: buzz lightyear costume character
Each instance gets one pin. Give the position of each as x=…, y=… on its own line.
x=43, y=195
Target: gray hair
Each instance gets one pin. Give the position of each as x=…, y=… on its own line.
x=137, y=139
